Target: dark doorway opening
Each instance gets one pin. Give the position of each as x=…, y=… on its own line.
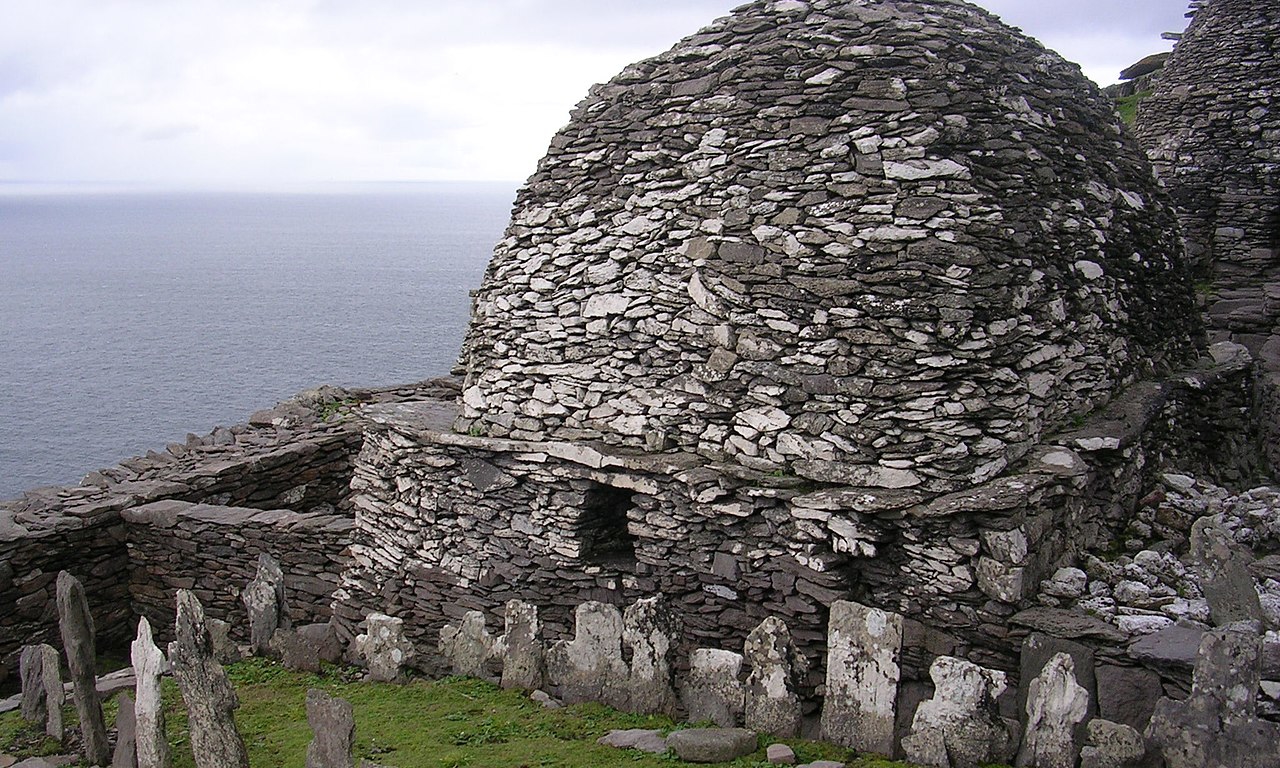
x=602, y=527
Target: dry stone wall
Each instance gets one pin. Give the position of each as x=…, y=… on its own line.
x=888, y=245
x=288, y=457
x=213, y=552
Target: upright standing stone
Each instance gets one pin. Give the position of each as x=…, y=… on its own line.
x=126, y=753
x=264, y=601
x=76, y=623
x=1218, y=725
x=960, y=727
x=210, y=699
x=524, y=662
x=650, y=629
x=387, y=653
x=770, y=702
x=1225, y=579
x=468, y=647
x=225, y=649
x=713, y=690
x=1056, y=706
x=860, y=704
x=590, y=667
x=31, y=672
x=333, y=728
x=54, y=694
x=148, y=667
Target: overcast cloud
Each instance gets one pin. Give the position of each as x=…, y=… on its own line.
x=235, y=93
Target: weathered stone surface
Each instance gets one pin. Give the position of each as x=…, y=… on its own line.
x=304, y=648
x=384, y=649
x=1038, y=649
x=770, y=702
x=1128, y=695
x=641, y=739
x=523, y=652
x=149, y=664
x=125, y=754
x=42, y=692
x=1226, y=581
x=590, y=667
x=1176, y=646
x=859, y=708
x=208, y=694
x=780, y=754
x=333, y=728
x=76, y=625
x=265, y=602
x=225, y=649
x=1218, y=724
x=960, y=727
x=712, y=690
x=712, y=745
x=1112, y=745
x=650, y=629
x=468, y=647
x=1056, y=706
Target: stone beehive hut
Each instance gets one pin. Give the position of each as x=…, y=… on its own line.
x=1212, y=130
x=787, y=315
x=873, y=243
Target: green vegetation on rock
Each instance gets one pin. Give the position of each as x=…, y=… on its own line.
x=1127, y=106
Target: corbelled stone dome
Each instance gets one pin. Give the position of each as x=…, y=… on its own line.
x=885, y=244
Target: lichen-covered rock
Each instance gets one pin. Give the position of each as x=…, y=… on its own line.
x=151, y=742
x=590, y=667
x=40, y=672
x=333, y=728
x=712, y=745
x=524, y=663
x=960, y=727
x=1056, y=706
x=1227, y=584
x=651, y=630
x=468, y=647
x=771, y=703
x=125, y=753
x=210, y=698
x=732, y=245
x=860, y=705
x=712, y=690
x=75, y=622
x=265, y=602
x=1111, y=745
x=385, y=650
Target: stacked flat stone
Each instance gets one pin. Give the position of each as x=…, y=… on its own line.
x=877, y=244
x=1213, y=133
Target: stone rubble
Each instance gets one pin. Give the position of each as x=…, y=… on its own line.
x=209, y=695
x=76, y=624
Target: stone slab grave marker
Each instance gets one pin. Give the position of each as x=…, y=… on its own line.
x=524, y=663
x=304, y=648
x=712, y=689
x=125, y=754
x=76, y=625
x=1056, y=706
x=863, y=645
x=385, y=650
x=149, y=665
x=960, y=727
x=468, y=647
x=264, y=601
x=333, y=725
x=210, y=699
x=1226, y=581
x=39, y=668
x=650, y=629
x=770, y=701
x=590, y=667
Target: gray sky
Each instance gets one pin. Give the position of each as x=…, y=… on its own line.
x=252, y=93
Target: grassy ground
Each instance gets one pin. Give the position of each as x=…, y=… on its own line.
x=445, y=724
x=1128, y=106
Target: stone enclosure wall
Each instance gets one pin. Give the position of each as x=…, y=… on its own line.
x=286, y=458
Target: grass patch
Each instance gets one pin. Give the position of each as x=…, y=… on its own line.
x=450, y=723
x=1127, y=106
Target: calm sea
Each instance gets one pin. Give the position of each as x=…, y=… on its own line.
x=130, y=319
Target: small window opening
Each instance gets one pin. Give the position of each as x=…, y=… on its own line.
x=602, y=528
